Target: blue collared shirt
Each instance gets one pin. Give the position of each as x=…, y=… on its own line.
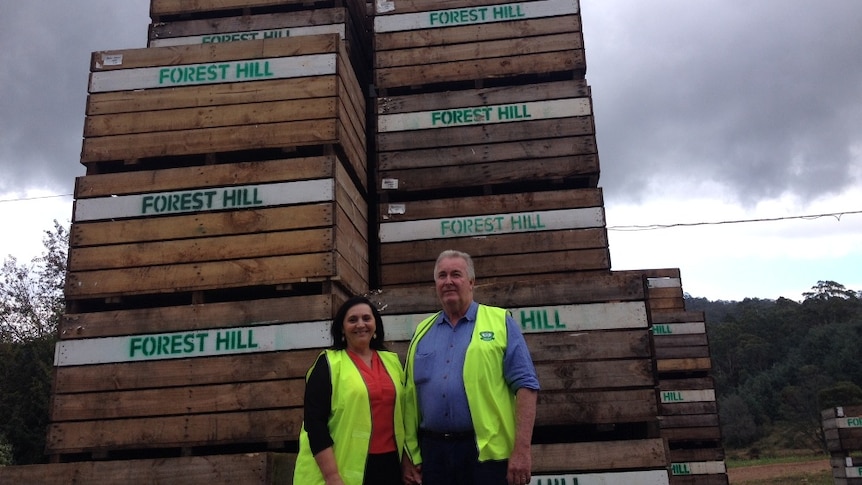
x=439, y=375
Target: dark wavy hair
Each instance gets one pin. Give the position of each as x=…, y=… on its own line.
x=337, y=328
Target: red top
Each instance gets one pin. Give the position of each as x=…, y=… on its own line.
x=381, y=392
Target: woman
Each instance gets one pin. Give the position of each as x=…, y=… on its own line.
x=353, y=431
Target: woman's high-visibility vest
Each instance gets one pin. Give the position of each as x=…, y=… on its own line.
x=350, y=420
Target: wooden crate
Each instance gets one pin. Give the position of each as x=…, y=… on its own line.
x=208, y=375
x=536, y=133
x=348, y=22
x=245, y=468
x=428, y=45
x=843, y=428
x=681, y=343
x=218, y=227
x=644, y=461
x=173, y=106
x=510, y=236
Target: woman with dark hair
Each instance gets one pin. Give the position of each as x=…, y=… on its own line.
x=353, y=431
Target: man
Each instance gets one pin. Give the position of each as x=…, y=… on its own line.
x=471, y=389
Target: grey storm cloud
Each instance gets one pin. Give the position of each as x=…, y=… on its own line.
x=763, y=97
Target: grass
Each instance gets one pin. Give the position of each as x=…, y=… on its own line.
x=732, y=462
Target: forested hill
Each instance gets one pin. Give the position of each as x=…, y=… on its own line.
x=776, y=363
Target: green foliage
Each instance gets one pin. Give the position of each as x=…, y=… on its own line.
x=31, y=305
x=5, y=451
x=772, y=360
x=841, y=394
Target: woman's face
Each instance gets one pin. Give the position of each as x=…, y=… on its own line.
x=359, y=327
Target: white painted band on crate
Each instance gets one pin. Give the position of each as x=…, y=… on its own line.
x=484, y=115
x=848, y=422
x=698, y=468
x=503, y=12
x=854, y=472
x=239, y=36
x=646, y=477
x=309, y=335
x=193, y=343
x=212, y=73
x=203, y=200
x=687, y=395
x=664, y=283
x=491, y=224
x=545, y=319
x=688, y=328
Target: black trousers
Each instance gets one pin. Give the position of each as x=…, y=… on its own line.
x=383, y=469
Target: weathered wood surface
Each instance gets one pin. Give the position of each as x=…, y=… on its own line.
x=689, y=421
x=164, y=319
x=242, y=247
x=264, y=426
x=205, y=8
x=684, y=365
x=692, y=434
x=424, y=43
x=602, y=455
x=536, y=132
x=571, y=288
x=721, y=479
x=246, y=468
x=696, y=454
x=123, y=125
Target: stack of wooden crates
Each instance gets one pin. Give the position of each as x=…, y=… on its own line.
x=260, y=161
x=842, y=428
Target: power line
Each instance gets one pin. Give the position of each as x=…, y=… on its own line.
x=36, y=198
x=652, y=227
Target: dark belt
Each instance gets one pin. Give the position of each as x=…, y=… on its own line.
x=453, y=436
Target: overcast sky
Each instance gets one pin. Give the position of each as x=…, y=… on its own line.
x=705, y=111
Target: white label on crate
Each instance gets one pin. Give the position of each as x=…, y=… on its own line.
x=689, y=328
x=221, y=38
x=396, y=209
x=452, y=17
x=112, y=60
x=561, y=318
x=193, y=343
x=693, y=395
x=212, y=73
x=389, y=184
x=664, y=283
x=203, y=200
x=646, y=477
x=484, y=115
x=490, y=224
x=698, y=468
x=384, y=6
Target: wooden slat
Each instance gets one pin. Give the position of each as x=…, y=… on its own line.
x=245, y=468
x=184, y=372
x=177, y=401
x=199, y=276
x=509, y=265
x=163, y=432
x=202, y=316
x=603, y=455
x=607, y=407
x=684, y=365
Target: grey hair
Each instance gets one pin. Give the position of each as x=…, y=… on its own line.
x=452, y=253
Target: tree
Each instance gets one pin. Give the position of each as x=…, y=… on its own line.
x=31, y=305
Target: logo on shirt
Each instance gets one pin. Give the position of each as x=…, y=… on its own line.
x=486, y=336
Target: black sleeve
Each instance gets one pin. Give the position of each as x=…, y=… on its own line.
x=318, y=406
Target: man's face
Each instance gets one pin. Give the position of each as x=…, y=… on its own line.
x=454, y=287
